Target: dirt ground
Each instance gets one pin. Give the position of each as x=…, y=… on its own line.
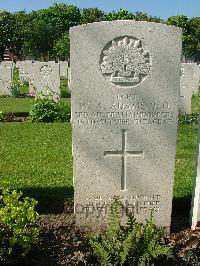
x=61, y=243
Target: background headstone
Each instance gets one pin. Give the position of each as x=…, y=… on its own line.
x=26, y=73
x=188, y=86
x=6, y=69
x=196, y=68
x=125, y=79
x=47, y=79
x=195, y=204
x=63, y=69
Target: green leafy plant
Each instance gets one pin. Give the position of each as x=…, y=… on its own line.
x=48, y=110
x=64, y=112
x=133, y=244
x=18, y=219
x=64, y=92
x=15, y=83
x=19, y=86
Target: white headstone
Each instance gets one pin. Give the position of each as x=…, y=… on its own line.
x=47, y=79
x=63, y=69
x=125, y=79
x=196, y=68
x=26, y=73
x=6, y=69
x=188, y=86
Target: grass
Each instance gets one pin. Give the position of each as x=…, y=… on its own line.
x=36, y=158
x=64, y=90
x=11, y=104
x=39, y=156
x=196, y=103
x=185, y=163
x=15, y=105
x=185, y=160
x=66, y=100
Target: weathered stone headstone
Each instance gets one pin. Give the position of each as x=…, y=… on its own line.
x=26, y=72
x=6, y=69
x=47, y=79
x=196, y=68
x=195, y=204
x=32, y=88
x=188, y=86
x=125, y=79
x=63, y=69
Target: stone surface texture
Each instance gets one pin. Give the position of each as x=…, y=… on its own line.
x=26, y=73
x=125, y=81
x=47, y=79
x=188, y=86
x=196, y=76
x=6, y=69
x=64, y=69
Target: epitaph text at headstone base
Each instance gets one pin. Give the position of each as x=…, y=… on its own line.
x=188, y=87
x=195, y=203
x=125, y=78
x=47, y=79
x=6, y=70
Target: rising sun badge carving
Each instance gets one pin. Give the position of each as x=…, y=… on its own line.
x=124, y=61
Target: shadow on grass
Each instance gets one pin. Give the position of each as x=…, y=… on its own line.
x=51, y=200
x=180, y=213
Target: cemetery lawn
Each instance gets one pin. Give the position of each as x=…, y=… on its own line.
x=36, y=159
x=15, y=105
x=196, y=103
x=185, y=161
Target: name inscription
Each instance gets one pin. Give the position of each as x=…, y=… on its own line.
x=121, y=112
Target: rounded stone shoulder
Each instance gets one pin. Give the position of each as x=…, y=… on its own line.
x=123, y=23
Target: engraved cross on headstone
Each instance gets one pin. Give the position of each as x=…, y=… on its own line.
x=123, y=154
